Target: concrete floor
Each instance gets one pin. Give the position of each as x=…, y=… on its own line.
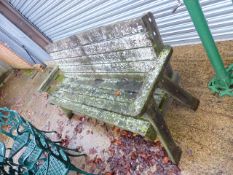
x=205, y=136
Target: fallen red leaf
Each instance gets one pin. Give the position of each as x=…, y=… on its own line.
x=97, y=160
x=134, y=156
x=117, y=92
x=165, y=160
x=108, y=173
x=92, y=151
x=117, y=142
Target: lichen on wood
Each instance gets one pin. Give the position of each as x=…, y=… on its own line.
x=111, y=73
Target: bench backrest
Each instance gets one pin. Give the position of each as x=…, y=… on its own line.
x=128, y=47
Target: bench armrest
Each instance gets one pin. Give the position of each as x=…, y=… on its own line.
x=150, y=82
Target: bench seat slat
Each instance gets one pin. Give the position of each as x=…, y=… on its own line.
x=101, y=93
x=118, y=94
x=113, y=84
x=117, y=30
x=126, y=43
x=136, y=125
x=98, y=102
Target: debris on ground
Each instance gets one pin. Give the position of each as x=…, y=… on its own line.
x=110, y=151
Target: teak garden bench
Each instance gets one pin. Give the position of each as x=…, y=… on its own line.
x=120, y=74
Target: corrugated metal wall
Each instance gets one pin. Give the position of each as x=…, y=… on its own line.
x=58, y=19
x=18, y=42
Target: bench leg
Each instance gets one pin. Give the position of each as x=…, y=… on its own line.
x=164, y=135
x=178, y=93
x=168, y=70
x=165, y=105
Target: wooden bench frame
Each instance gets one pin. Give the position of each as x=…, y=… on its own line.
x=166, y=80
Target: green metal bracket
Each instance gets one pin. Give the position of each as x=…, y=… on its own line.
x=216, y=87
x=222, y=82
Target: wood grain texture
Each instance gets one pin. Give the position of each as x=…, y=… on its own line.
x=137, y=54
x=135, y=125
x=111, y=72
x=120, y=44
x=142, y=66
x=103, y=33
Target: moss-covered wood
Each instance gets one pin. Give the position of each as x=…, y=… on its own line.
x=137, y=125
x=138, y=54
x=55, y=84
x=114, y=73
x=94, y=95
x=157, y=120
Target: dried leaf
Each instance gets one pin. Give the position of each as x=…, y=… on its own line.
x=92, y=151
x=117, y=92
x=108, y=173
x=65, y=142
x=165, y=160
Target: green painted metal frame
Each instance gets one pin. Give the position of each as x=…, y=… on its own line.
x=7, y=166
x=24, y=133
x=222, y=82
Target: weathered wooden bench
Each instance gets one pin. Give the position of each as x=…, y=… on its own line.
x=120, y=74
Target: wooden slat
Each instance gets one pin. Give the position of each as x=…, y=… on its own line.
x=125, y=43
x=142, y=66
x=108, y=75
x=103, y=33
x=101, y=103
x=112, y=93
x=124, y=84
x=138, y=54
x=138, y=125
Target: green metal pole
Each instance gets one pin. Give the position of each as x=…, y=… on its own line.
x=196, y=13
